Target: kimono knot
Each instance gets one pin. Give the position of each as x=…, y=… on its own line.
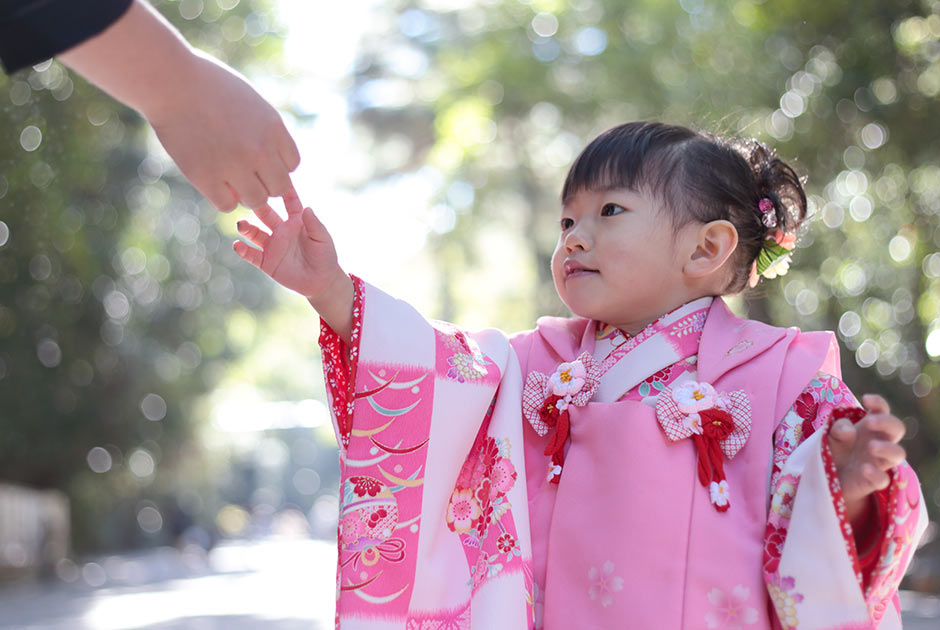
x=718, y=423
x=696, y=408
x=544, y=397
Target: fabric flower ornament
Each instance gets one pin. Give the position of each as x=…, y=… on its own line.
x=568, y=379
x=692, y=397
x=546, y=401
x=718, y=423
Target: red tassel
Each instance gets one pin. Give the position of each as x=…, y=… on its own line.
x=557, y=441
x=704, y=466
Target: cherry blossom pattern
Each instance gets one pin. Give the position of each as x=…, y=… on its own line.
x=466, y=363
x=479, y=510
x=785, y=598
x=604, y=584
x=718, y=423
x=545, y=402
x=731, y=610
x=774, y=538
x=781, y=503
x=340, y=361
x=462, y=511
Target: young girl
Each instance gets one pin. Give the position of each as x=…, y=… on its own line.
x=653, y=462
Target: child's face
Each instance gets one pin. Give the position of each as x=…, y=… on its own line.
x=618, y=258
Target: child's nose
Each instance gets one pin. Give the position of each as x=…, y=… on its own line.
x=576, y=239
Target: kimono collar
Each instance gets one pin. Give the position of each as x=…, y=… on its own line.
x=671, y=338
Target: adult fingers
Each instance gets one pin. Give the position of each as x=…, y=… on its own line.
x=275, y=176
x=250, y=189
x=287, y=149
x=221, y=196
x=268, y=216
x=252, y=255
x=292, y=202
x=253, y=233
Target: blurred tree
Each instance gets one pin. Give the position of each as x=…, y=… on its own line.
x=117, y=289
x=500, y=95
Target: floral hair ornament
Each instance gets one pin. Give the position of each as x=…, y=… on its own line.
x=546, y=399
x=718, y=423
x=769, y=216
x=774, y=257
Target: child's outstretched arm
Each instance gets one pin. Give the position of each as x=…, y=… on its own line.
x=864, y=453
x=298, y=253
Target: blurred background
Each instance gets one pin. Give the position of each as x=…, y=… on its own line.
x=162, y=415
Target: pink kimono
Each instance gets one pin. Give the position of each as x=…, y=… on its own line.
x=570, y=477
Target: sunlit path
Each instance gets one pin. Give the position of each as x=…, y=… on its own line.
x=277, y=584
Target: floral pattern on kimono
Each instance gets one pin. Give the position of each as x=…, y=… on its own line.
x=478, y=506
x=888, y=549
x=383, y=458
x=475, y=511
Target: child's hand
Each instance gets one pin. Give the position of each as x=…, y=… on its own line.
x=299, y=254
x=864, y=452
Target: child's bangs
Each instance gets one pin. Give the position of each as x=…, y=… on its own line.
x=628, y=157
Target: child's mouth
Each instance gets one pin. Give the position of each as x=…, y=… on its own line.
x=575, y=270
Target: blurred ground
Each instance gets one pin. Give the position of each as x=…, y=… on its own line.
x=271, y=584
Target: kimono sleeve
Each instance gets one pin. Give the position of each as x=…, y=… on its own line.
x=433, y=517
x=815, y=575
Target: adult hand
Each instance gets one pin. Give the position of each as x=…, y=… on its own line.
x=226, y=139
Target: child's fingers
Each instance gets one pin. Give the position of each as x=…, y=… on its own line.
x=887, y=455
x=876, y=478
x=268, y=216
x=252, y=255
x=253, y=233
x=843, y=431
x=841, y=438
x=874, y=403
x=887, y=427
x=315, y=229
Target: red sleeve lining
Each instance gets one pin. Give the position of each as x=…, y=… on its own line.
x=340, y=362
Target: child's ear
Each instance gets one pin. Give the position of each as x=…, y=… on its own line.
x=714, y=243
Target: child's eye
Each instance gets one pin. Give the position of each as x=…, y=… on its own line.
x=611, y=209
x=566, y=223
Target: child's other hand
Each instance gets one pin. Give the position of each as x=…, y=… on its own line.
x=298, y=253
x=864, y=452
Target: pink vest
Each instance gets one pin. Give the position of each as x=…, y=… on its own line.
x=629, y=538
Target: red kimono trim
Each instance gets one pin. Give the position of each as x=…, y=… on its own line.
x=340, y=361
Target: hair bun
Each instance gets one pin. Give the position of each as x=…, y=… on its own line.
x=777, y=181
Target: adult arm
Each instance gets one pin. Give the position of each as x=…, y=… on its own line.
x=34, y=30
x=226, y=139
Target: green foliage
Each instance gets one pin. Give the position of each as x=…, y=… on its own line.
x=115, y=288
x=514, y=88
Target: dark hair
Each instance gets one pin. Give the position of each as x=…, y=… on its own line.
x=697, y=176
